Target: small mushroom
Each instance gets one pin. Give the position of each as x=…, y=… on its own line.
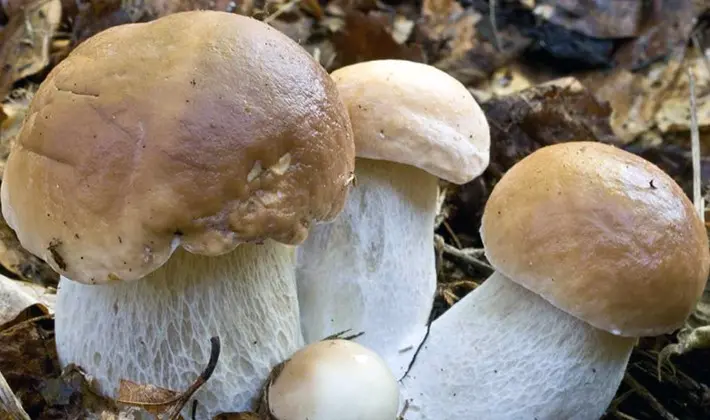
x=166, y=170
x=373, y=270
x=588, y=257
x=334, y=379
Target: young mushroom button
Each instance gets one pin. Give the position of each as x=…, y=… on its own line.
x=373, y=270
x=166, y=170
x=593, y=247
x=333, y=379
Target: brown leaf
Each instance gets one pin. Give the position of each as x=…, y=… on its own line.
x=674, y=112
x=16, y=297
x=636, y=97
x=365, y=37
x=153, y=399
x=25, y=45
x=595, y=18
x=72, y=396
x=160, y=401
x=28, y=358
x=461, y=41
x=10, y=407
x=667, y=28
x=96, y=15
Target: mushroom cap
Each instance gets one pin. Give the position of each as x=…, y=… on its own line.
x=415, y=114
x=334, y=379
x=200, y=129
x=600, y=233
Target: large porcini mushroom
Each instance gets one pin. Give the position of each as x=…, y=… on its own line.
x=165, y=170
x=333, y=379
x=593, y=247
x=372, y=270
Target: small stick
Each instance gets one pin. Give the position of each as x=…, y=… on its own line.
x=695, y=144
x=10, y=406
x=494, y=24
x=646, y=394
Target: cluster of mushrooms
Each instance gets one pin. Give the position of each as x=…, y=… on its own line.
x=202, y=175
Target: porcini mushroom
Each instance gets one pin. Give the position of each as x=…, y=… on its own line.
x=165, y=170
x=333, y=379
x=593, y=247
x=372, y=270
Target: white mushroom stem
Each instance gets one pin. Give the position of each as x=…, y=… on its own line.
x=372, y=270
x=502, y=352
x=157, y=330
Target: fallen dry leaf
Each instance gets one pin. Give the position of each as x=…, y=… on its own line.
x=674, y=112
x=462, y=42
x=512, y=78
x=10, y=407
x=72, y=396
x=94, y=16
x=636, y=97
x=364, y=37
x=667, y=28
x=24, y=48
x=594, y=18
x=163, y=402
x=28, y=357
x=17, y=296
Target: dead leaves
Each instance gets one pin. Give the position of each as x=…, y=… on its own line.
x=165, y=403
x=554, y=112
x=26, y=41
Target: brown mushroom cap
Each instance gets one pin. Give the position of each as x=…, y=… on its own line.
x=201, y=129
x=415, y=114
x=600, y=233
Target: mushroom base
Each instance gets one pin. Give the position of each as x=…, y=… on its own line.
x=373, y=268
x=503, y=352
x=157, y=330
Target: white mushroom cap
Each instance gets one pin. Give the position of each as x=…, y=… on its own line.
x=415, y=114
x=334, y=379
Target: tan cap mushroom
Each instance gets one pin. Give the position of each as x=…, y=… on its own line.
x=415, y=114
x=132, y=148
x=185, y=136
x=373, y=268
x=334, y=379
x=593, y=247
x=602, y=234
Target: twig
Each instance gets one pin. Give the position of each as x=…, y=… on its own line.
x=623, y=416
x=646, y=394
x=494, y=23
x=341, y=335
x=696, y=44
x=463, y=255
x=178, y=403
x=281, y=10
x=10, y=406
x=451, y=232
x=695, y=144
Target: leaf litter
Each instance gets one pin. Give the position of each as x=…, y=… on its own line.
x=544, y=71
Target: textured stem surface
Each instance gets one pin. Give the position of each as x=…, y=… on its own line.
x=372, y=270
x=157, y=330
x=502, y=352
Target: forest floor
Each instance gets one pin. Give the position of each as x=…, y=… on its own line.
x=545, y=72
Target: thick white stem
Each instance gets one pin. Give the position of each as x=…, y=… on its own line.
x=372, y=270
x=502, y=352
x=157, y=330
